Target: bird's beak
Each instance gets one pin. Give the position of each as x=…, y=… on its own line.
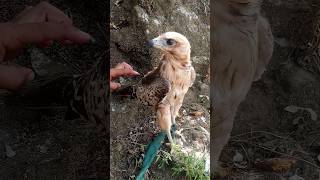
x=157, y=43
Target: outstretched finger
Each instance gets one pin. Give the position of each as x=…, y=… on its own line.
x=114, y=73
x=123, y=65
x=13, y=77
x=53, y=14
x=46, y=31
x=42, y=12
x=114, y=86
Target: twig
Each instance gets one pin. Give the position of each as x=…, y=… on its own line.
x=264, y=132
x=247, y=155
x=138, y=134
x=284, y=154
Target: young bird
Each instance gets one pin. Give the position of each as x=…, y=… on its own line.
x=166, y=86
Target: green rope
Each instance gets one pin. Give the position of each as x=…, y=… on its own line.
x=152, y=151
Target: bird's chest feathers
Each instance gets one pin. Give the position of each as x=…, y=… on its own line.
x=179, y=77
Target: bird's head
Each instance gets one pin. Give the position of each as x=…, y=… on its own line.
x=172, y=43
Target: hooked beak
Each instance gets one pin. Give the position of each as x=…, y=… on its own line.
x=150, y=43
x=157, y=43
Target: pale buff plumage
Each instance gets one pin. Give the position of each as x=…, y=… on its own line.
x=242, y=47
x=176, y=68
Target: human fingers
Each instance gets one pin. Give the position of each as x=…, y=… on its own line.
x=123, y=65
x=42, y=12
x=114, y=86
x=14, y=77
x=114, y=73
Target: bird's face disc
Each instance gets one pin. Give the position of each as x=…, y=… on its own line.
x=171, y=42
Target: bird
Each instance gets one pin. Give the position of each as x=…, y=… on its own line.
x=165, y=86
x=242, y=47
x=176, y=69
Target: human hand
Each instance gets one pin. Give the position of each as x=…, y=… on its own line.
x=122, y=69
x=40, y=25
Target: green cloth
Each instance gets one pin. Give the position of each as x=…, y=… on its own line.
x=151, y=153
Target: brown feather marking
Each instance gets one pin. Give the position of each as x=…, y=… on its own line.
x=173, y=68
x=232, y=81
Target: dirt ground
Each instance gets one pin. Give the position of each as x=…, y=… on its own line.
x=40, y=137
x=263, y=129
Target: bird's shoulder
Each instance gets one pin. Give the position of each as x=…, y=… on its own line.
x=153, y=88
x=193, y=75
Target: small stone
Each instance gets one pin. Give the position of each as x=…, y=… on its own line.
x=9, y=151
x=237, y=157
x=296, y=177
x=43, y=149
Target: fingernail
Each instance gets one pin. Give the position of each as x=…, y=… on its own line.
x=31, y=76
x=84, y=35
x=135, y=72
x=93, y=40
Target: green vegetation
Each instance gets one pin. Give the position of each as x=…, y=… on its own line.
x=182, y=164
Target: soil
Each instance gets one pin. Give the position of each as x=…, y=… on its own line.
x=40, y=137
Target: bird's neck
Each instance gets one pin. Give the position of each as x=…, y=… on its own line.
x=178, y=60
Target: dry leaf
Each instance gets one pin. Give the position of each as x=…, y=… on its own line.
x=292, y=109
x=197, y=113
x=9, y=151
x=278, y=165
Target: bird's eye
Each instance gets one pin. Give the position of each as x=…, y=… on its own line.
x=170, y=42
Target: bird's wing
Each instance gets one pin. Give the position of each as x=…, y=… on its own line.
x=265, y=46
x=192, y=76
x=151, y=76
x=153, y=88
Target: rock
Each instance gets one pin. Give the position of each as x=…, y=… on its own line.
x=204, y=88
x=142, y=14
x=204, y=100
x=43, y=149
x=44, y=66
x=295, y=177
x=9, y=151
x=237, y=157
x=164, y=18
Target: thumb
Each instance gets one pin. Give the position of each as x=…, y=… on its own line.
x=14, y=77
x=114, y=86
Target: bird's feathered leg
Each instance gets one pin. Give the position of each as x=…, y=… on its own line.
x=175, y=111
x=164, y=119
x=173, y=120
x=222, y=127
x=265, y=46
x=172, y=110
